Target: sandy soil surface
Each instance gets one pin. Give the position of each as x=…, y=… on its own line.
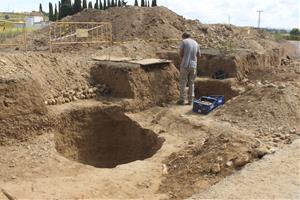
x=75, y=128
x=274, y=177
x=35, y=171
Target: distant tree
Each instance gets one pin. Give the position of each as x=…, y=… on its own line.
x=295, y=32
x=119, y=3
x=124, y=3
x=84, y=4
x=66, y=8
x=55, y=13
x=148, y=4
x=77, y=6
x=90, y=5
x=59, y=10
x=136, y=3
x=6, y=17
x=154, y=3
x=51, y=16
x=142, y=3
x=70, y=8
x=100, y=5
x=96, y=5
x=108, y=3
x=41, y=8
x=104, y=5
x=112, y=3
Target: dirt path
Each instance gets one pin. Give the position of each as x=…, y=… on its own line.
x=274, y=177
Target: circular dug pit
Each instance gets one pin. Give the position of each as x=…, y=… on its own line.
x=104, y=138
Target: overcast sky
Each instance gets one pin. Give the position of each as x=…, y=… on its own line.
x=277, y=13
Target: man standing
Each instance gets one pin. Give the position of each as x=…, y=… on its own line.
x=189, y=50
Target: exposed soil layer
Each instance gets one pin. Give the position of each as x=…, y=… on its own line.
x=237, y=64
x=206, y=87
x=50, y=73
x=20, y=96
x=104, y=138
x=148, y=85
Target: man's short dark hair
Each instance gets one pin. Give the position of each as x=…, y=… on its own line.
x=186, y=35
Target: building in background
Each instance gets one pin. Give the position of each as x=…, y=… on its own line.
x=35, y=20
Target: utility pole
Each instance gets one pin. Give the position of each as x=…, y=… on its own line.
x=259, y=14
x=229, y=19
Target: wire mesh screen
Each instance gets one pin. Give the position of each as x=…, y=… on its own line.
x=62, y=33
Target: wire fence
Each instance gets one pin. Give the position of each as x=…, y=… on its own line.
x=64, y=33
x=13, y=34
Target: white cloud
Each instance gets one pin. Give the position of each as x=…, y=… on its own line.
x=277, y=13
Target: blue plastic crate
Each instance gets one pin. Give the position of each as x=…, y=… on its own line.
x=206, y=104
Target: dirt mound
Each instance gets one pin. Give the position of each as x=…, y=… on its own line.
x=163, y=26
x=201, y=165
x=136, y=22
x=160, y=23
x=54, y=73
x=269, y=107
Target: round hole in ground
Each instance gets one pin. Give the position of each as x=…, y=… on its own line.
x=104, y=138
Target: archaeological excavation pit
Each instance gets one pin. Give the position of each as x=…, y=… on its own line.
x=209, y=87
x=104, y=138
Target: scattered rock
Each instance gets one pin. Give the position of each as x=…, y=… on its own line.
x=85, y=92
x=229, y=163
x=215, y=168
x=164, y=169
x=293, y=131
x=276, y=140
x=241, y=161
x=281, y=86
x=262, y=151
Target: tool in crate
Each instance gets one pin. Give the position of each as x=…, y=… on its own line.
x=206, y=104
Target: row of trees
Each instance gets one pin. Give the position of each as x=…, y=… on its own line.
x=66, y=7
x=295, y=32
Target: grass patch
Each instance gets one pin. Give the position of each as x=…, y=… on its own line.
x=12, y=16
x=279, y=37
x=292, y=37
x=8, y=33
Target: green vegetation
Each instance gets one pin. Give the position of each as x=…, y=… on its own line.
x=12, y=16
x=51, y=14
x=154, y=3
x=11, y=32
x=278, y=36
x=292, y=37
x=294, y=34
x=66, y=7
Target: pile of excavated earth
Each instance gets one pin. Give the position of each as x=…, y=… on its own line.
x=73, y=126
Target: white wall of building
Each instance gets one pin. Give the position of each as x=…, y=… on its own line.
x=34, y=21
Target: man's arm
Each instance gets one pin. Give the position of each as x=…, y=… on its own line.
x=181, y=51
x=199, y=51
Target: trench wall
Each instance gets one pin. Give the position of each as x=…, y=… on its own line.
x=149, y=86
